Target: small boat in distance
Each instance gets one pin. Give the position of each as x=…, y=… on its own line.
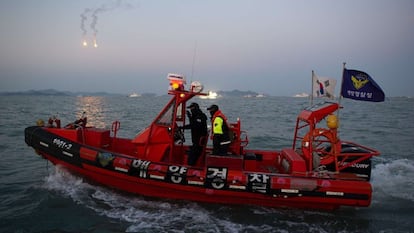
x=134, y=95
x=302, y=95
x=210, y=95
x=254, y=96
x=319, y=170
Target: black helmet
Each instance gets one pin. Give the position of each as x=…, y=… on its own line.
x=213, y=108
x=193, y=106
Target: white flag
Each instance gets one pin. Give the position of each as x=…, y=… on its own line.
x=323, y=87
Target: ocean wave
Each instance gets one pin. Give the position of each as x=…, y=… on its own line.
x=394, y=179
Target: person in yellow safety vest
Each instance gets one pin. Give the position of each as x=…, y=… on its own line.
x=220, y=129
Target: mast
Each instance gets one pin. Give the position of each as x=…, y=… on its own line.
x=194, y=56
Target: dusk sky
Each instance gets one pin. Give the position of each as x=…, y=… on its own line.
x=268, y=47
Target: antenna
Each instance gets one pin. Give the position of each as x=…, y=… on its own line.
x=194, y=56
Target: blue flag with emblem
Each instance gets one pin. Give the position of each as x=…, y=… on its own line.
x=359, y=85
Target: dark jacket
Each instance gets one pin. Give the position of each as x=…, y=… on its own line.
x=198, y=125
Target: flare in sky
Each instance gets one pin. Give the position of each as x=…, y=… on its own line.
x=93, y=13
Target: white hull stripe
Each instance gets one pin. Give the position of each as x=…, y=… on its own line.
x=334, y=193
x=157, y=177
x=289, y=191
x=195, y=182
x=44, y=144
x=121, y=169
x=67, y=153
x=237, y=187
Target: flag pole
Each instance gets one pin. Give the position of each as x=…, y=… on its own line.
x=342, y=83
x=343, y=72
x=311, y=94
x=340, y=91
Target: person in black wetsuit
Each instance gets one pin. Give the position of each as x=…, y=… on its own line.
x=198, y=126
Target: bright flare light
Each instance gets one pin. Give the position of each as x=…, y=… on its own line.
x=85, y=44
x=95, y=44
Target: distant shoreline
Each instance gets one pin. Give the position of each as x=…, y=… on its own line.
x=53, y=92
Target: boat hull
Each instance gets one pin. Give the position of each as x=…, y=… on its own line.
x=212, y=183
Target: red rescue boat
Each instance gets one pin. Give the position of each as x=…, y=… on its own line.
x=319, y=171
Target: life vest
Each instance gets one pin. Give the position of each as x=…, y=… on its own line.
x=219, y=122
x=53, y=122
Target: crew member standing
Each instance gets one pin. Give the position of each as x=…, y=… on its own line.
x=198, y=126
x=220, y=129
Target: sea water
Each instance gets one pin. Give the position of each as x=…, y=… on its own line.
x=36, y=196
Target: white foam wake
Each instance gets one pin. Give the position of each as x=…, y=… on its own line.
x=394, y=179
x=142, y=214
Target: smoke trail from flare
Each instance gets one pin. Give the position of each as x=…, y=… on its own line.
x=94, y=18
x=83, y=19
